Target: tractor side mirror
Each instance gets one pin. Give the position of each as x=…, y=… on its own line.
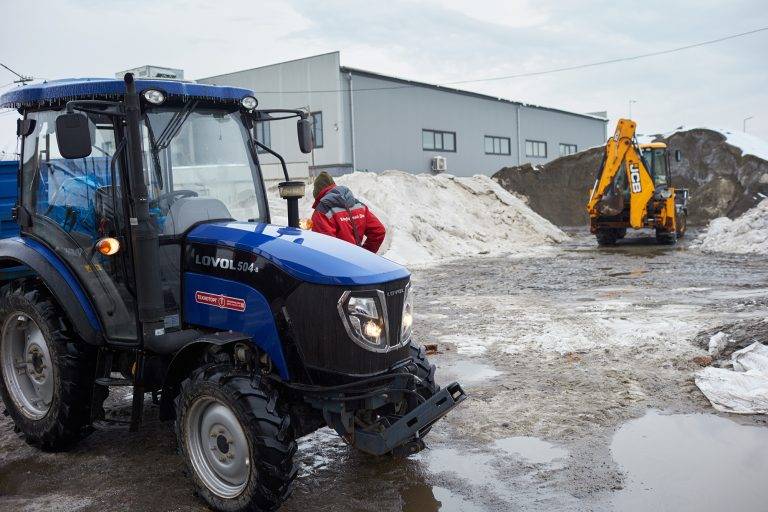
x=678, y=155
x=306, y=142
x=73, y=135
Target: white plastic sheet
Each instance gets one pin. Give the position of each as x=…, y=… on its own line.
x=743, y=390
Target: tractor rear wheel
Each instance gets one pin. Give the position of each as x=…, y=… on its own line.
x=236, y=442
x=47, y=374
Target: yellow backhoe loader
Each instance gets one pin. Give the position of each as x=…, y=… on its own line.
x=634, y=190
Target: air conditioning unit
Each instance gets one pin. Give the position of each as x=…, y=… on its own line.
x=439, y=164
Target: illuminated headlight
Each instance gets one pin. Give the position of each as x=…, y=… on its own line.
x=249, y=103
x=406, y=328
x=154, y=96
x=364, y=316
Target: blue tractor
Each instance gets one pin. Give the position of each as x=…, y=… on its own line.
x=144, y=256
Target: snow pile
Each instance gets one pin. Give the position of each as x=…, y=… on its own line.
x=743, y=390
x=433, y=218
x=747, y=234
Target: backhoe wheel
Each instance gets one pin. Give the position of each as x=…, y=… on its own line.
x=607, y=236
x=666, y=237
x=237, y=444
x=47, y=374
x=681, y=223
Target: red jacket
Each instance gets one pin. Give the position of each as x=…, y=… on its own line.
x=336, y=209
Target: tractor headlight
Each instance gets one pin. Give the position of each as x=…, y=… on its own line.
x=249, y=103
x=364, y=315
x=406, y=328
x=154, y=96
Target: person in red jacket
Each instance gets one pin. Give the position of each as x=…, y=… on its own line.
x=338, y=213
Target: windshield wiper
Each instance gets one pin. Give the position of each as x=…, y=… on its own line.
x=155, y=152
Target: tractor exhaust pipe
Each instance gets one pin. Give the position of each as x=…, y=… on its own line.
x=144, y=238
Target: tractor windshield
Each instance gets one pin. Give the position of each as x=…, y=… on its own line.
x=199, y=166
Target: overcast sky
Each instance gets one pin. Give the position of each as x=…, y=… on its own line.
x=437, y=41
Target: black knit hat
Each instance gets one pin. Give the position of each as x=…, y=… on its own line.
x=322, y=181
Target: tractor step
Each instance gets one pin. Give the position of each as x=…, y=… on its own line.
x=111, y=382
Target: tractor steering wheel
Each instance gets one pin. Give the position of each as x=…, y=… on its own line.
x=171, y=196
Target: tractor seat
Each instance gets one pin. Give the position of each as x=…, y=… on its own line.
x=185, y=212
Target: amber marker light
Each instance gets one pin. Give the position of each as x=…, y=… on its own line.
x=108, y=246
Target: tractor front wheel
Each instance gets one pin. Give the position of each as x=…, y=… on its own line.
x=237, y=444
x=47, y=374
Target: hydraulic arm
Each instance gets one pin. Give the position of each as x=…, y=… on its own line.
x=622, y=154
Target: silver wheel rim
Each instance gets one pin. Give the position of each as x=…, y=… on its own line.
x=217, y=447
x=28, y=370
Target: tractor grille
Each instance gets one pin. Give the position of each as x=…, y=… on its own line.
x=323, y=342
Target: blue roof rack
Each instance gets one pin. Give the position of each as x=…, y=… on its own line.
x=56, y=91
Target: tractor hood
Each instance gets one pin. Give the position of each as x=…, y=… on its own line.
x=305, y=255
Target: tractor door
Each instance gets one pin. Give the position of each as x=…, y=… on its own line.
x=72, y=204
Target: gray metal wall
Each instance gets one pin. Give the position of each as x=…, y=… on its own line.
x=388, y=127
x=388, y=123
x=555, y=128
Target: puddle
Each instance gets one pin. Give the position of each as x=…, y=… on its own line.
x=532, y=449
x=698, y=462
x=467, y=372
x=424, y=498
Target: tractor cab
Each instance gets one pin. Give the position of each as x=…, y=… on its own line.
x=656, y=160
x=196, y=156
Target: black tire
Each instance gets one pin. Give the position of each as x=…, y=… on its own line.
x=270, y=439
x=424, y=370
x=606, y=237
x=681, y=223
x=68, y=417
x=666, y=237
x=621, y=233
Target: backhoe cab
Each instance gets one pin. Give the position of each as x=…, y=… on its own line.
x=146, y=258
x=634, y=190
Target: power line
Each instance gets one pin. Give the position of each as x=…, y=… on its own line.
x=543, y=72
x=22, y=79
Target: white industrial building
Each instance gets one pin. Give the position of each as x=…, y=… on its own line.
x=368, y=121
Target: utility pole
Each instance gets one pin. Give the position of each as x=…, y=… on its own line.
x=630, y=107
x=22, y=79
x=744, y=123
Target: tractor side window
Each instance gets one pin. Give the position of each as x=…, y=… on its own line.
x=73, y=204
x=657, y=165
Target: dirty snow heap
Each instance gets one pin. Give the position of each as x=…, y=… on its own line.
x=747, y=234
x=433, y=218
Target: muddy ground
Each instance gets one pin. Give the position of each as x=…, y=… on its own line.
x=563, y=358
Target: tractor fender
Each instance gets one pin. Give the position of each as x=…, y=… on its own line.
x=59, y=280
x=187, y=359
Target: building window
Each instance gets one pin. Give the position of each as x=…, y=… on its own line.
x=497, y=145
x=568, y=149
x=317, y=128
x=536, y=148
x=434, y=140
x=263, y=135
